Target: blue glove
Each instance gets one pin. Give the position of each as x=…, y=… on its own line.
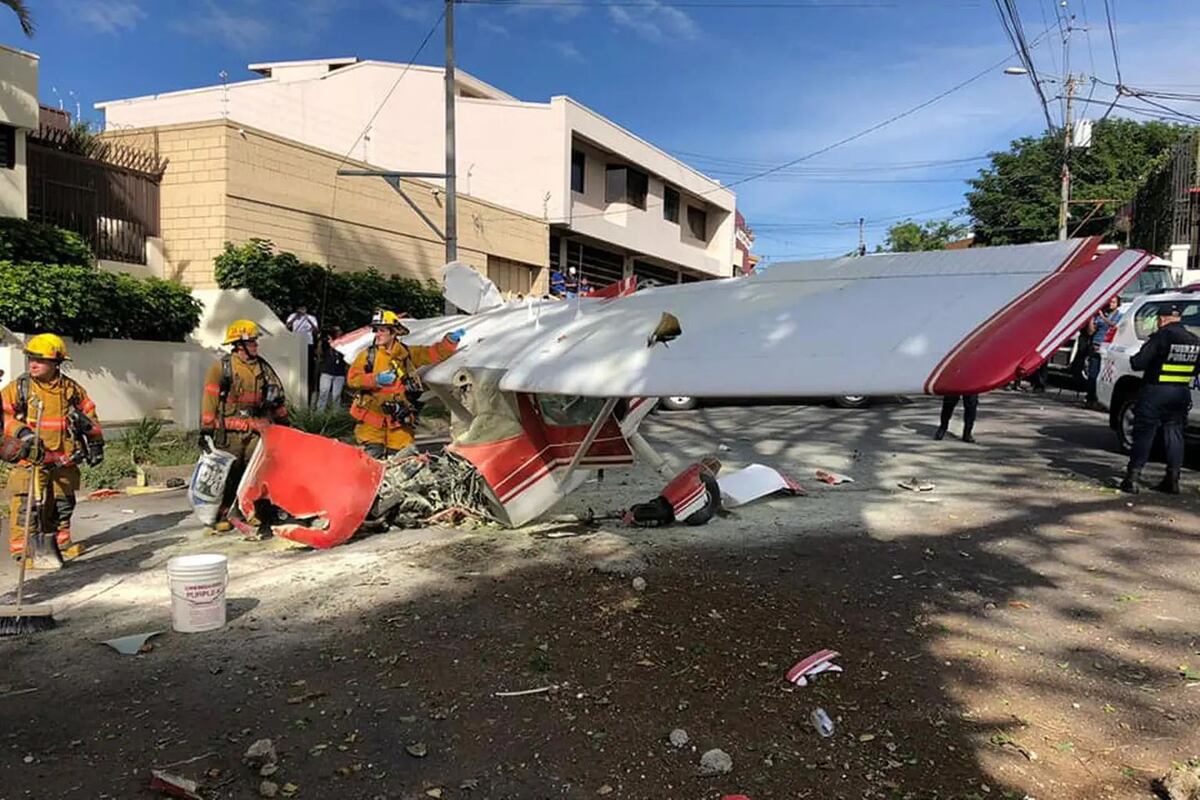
x=386, y=378
x=455, y=336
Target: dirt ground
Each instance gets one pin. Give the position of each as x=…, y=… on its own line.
x=1020, y=631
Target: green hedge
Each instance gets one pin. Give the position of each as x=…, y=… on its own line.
x=85, y=303
x=22, y=241
x=283, y=282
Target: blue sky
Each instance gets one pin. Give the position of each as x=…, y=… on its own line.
x=729, y=89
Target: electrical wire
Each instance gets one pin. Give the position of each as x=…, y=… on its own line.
x=1172, y=116
x=780, y=4
x=1087, y=29
x=1112, y=38
x=725, y=163
x=1010, y=21
x=336, y=178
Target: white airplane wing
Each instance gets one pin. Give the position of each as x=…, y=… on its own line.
x=944, y=322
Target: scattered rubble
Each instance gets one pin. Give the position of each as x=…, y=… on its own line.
x=268, y=789
x=261, y=753
x=639, y=584
x=678, y=737
x=1181, y=783
x=715, y=762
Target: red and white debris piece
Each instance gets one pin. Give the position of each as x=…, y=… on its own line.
x=833, y=478
x=818, y=662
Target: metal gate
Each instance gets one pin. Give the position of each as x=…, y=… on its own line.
x=113, y=208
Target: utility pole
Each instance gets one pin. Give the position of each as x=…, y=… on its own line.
x=1064, y=204
x=451, y=165
x=862, y=237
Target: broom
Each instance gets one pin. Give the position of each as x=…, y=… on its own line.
x=21, y=619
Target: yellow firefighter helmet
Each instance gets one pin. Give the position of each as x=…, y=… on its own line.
x=47, y=346
x=242, y=330
x=388, y=319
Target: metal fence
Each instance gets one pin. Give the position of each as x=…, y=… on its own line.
x=113, y=207
x=1185, y=192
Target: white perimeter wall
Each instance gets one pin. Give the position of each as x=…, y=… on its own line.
x=131, y=379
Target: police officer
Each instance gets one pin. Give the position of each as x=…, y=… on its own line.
x=1168, y=359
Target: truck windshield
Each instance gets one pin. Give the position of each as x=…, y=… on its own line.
x=1145, y=320
x=1148, y=280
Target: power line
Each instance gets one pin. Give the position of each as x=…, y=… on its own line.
x=1112, y=38
x=723, y=162
x=812, y=4
x=407, y=66
x=1170, y=116
x=822, y=150
x=1087, y=29
x=1146, y=96
x=894, y=118
x=1010, y=20
x=336, y=178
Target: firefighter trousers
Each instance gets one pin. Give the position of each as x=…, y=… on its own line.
x=59, y=493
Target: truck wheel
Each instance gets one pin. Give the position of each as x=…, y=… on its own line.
x=852, y=401
x=1123, y=421
x=677, y=403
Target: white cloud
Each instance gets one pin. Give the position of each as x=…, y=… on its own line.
x=414, y=10
x=491, y=26
x=561, y=10
x=656, y=22
x=107, y=16
x=568, y=51
x=237, y=31
x=248, y=25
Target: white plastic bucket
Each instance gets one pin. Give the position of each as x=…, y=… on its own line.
x=197, y=584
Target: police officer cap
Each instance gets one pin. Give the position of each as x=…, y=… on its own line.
x=1174, y=311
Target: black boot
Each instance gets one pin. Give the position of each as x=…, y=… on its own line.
x=1130, y=484
x=939, y=434
x=967, y=436
x=1170, y=482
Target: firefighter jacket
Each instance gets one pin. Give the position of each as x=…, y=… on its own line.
x=58, y=397
x=1169, y=356
x=380, y=410
x=243, y=396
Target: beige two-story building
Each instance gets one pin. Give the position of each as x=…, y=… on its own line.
x=614, y=204
x=18, y=116
x=225, y=181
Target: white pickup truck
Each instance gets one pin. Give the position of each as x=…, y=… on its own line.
x=1157, y=276
x=1118, y=384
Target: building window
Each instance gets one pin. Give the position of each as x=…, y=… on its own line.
x=578, y=161
x=8, y=147
x=698, y=223
x=625, y=185
x=670, y=205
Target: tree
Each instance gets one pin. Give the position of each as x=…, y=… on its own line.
x=911, y=236
x=22, y=11
x=1016, y=199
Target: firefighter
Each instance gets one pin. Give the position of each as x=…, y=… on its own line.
x=384, y=378
x=70, y=435
x=1168, y=360
x=242, y=396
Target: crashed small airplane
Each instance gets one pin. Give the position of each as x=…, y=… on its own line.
x=544, y=392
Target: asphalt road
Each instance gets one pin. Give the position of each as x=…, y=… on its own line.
x=1021, y=605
